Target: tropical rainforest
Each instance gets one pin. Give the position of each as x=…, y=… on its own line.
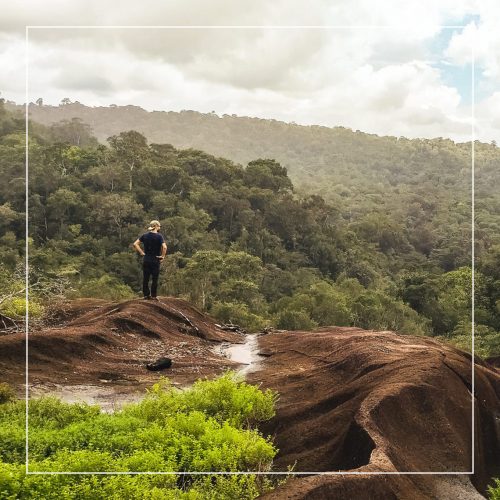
x=336, y=228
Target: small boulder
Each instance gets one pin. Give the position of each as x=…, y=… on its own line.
x=159, y=364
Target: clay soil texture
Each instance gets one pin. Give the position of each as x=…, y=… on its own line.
x=98, y=343
x=351, y=400
x=364, y=401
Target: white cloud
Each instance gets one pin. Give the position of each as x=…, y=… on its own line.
x=373, y=79
x=484, y=39
x=488, y=118
x=12, y=49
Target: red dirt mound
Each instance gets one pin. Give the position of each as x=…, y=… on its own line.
x=350, y=399
x=95, y=342
x=366, y=401
x=494, y=360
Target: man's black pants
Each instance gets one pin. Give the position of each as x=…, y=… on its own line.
x=150, y=269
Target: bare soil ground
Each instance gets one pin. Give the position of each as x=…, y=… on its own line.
x=350, y=400
x=98, y=343
x=367, y=401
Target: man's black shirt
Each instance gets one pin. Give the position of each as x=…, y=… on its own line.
x=152, y=246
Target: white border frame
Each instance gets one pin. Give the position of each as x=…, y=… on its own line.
x=279, y=27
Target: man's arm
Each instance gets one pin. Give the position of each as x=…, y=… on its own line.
x=163, y=251
x=137, y=247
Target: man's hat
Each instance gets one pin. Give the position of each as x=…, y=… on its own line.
x=153, y=224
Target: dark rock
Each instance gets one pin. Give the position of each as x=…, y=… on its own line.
x=159, y=364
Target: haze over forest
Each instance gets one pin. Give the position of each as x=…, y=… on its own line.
x=312, y=154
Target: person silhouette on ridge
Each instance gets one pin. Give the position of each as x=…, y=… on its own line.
x=154, y=252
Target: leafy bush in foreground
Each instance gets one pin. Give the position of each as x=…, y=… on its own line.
x=16, y=308
x=6, y=393
x=209, y=427
x=494, y=491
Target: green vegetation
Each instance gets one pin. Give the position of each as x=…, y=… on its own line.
x=209, y=427
x=379, y=235
x=43, y=288
x=6, y=393
x=494, y=491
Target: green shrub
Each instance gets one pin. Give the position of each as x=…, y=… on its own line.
x=208, y=427
x=494, y=491
x=346, y=303
x=295, y=320
x=105, y=287
x=238, y=314
x=16, y=308
x=6, y=393
x=486, y=340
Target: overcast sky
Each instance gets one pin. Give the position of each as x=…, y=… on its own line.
x=409, y=77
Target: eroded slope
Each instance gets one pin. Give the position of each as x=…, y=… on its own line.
x=376, y=401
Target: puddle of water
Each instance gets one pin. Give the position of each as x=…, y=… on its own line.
x=111, y=399
x=245, y=354
x=106, y=397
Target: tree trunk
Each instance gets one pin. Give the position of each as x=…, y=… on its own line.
x=130, y=178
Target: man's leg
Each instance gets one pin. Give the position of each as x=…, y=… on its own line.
x=146, y=273
x=155, y=272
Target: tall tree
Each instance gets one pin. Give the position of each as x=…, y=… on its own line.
x=131, y=148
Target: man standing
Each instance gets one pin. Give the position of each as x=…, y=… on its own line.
x=154, y=252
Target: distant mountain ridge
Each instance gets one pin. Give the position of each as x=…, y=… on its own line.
x=302, y=149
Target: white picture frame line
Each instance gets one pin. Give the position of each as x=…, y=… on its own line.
x=278, y=27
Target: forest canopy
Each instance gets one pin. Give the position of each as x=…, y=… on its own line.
x=378, y=238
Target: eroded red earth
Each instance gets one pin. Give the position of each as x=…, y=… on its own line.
x=350, y=400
